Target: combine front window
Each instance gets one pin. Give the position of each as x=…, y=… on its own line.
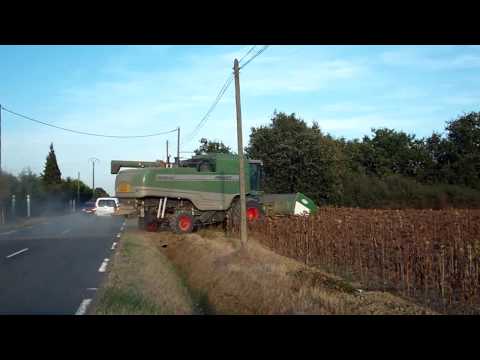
x=256, y=174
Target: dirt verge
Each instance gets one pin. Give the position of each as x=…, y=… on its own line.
x=258, y=281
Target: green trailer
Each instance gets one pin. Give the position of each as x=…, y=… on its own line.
x=288, y=204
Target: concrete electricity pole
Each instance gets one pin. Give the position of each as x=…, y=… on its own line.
x=0, y=139
x=93, y=175
x=78, y=189
x=178, y=147
x=243, y=206
x=168, y=156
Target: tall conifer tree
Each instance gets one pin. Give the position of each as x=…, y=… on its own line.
x=51, y=174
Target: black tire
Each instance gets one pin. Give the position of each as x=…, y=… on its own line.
x=233, y=214
x=150, y=223
x=141, y=223
x=182, y=222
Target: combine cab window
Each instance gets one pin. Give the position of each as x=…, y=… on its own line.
x=200, y=164
x=255, y=176
x=206, y=166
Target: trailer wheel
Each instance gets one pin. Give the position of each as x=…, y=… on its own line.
x=253, y=212
x=182, y=222
x=151, y=223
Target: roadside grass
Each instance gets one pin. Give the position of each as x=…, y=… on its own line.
x=22, y=222
x=141, y=281
x=121, y=301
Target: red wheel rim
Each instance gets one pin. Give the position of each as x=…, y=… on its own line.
x=253, y=213
x=184, y=222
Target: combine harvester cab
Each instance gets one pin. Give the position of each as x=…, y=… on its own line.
x=288, y=204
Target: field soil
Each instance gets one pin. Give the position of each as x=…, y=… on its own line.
x=207, y=272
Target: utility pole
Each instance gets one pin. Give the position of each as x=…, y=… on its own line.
x=243, y=205
x=14, y=212
x=168, y=156
x=2, y=220
x=178, y=146
x=78, y=189
x=93, y=175
x=0, y=139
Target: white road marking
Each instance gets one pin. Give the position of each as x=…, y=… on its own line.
x=92, y=289
x=82, y=309
x=113, y=245
x=9, y=232
x=103, y=267
x=118, y=235
x=66, y=231
x=18, y=252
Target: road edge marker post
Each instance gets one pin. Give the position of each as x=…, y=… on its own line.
x=13, y=207
x=28, y=205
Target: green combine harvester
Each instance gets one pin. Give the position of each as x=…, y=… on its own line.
x=202, y=190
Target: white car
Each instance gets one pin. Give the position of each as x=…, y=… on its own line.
x=106, y=206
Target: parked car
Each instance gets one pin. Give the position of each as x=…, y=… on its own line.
x=89, y=207
x=106, y=206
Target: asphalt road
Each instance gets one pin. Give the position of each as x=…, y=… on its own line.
x=55, y=267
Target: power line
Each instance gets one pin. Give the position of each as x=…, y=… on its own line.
x=87, y=133
x=212, y=107
x=248, y=52
x=255, y=55
x=189, y=137
x=221, y=93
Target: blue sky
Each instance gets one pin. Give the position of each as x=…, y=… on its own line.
x=130, y=90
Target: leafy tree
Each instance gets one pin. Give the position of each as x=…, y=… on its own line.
x=5, y=186
x=298, y=157
x=389, y=168
x=464, y=151
x=30, y=183
x=99, y=192
x=390, y=152
x=84, y=190
x=208, y=146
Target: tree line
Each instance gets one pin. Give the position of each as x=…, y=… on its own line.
x=385, y=169
x=49, y=192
